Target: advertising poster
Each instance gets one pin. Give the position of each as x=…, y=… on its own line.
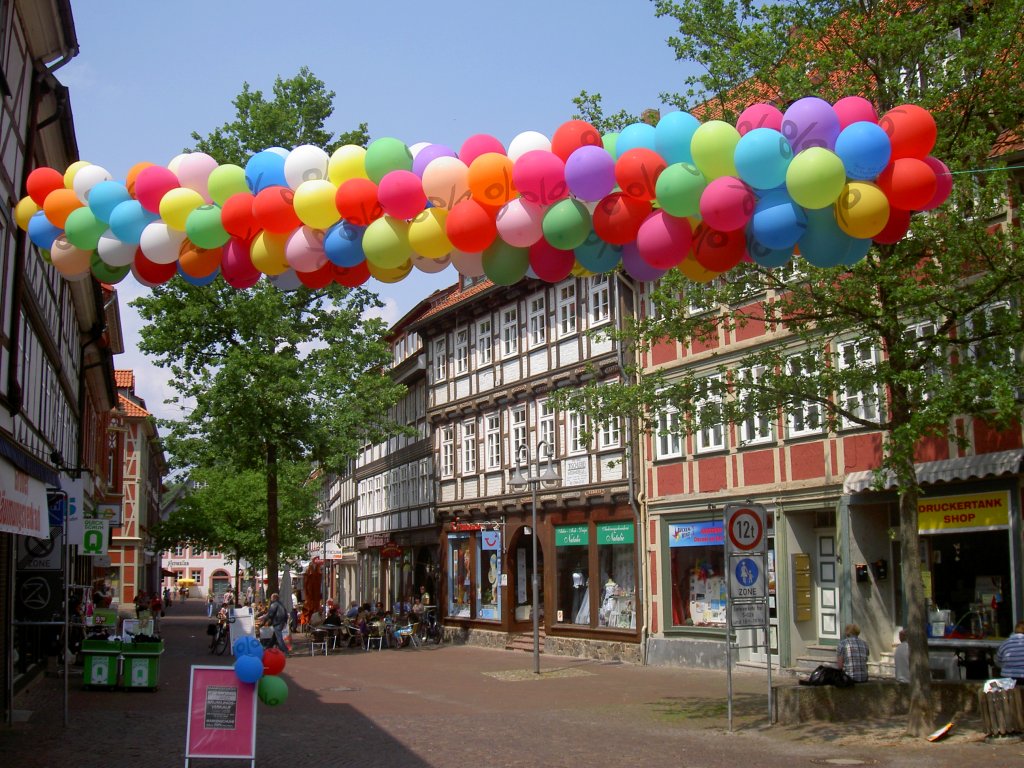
x=221, y=715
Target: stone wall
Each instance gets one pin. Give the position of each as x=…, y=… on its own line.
x=873, y=699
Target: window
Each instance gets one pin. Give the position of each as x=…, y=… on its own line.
x=577, y=426
x=862, y=403
x=483, y=342
x=488, y=576
x=468, y=447
x=669, y=445
x=983, y=328
x=755, y=427
x=609, y=435
x=538, y=321
x=518, y=431
x=197, y=574
x=510, y=332
x=461, y=350
x=440, y=361
x=447, y=452
x=567, y=309
x=179, y=552
x=460, y=574
x=493, y=437
x=923, y=334
x=546, y=427
x=572, y=577
x=600, y=302
x=804, y=416
x=615, y=547
x=698, y=569
x=711, y=432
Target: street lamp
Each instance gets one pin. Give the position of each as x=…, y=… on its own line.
x=525, y=475
x=324, y=524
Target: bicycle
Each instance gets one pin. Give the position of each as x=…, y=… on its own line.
x=221, y=635
x=430, y=628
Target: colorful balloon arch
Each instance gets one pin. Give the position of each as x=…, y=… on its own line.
x=825, y=180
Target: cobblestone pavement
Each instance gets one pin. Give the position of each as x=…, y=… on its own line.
x=441, y=706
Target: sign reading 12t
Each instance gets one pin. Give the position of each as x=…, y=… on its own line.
x=745, y=527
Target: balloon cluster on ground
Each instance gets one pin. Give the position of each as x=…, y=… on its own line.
x=262, y=666
x=822, y=180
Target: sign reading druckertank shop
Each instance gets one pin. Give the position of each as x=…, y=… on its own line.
x=23, y=507
x=972, y=511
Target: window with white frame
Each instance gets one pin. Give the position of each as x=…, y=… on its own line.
x=668, y=443
x=440, y=360
x=922, y=333
x=804, y=416
x=600, y=299
x=179, y=552
x=447, y=452
x=538, y=320
x=567, y=308
x=461, y=350
x=711, y=431
x=469, y=447
x=755, y=427
x=484, y=342
x=546, y=425
x=610, y=433
x=492, y=434
x=983, y=328
x=577, y=425
x=862, y=403
x=510, y=332
x=518, y=431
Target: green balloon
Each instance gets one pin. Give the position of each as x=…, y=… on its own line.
x=83, y=229
x=566, y=224
x=204, y=229
x=610, y=142
x=678, y=189
x=384, y=155
x=505, y=264
x=106, y=273
x=713, y=146
x=386, y=243
x=225, y=181
x=815, y=178
x=272, y=690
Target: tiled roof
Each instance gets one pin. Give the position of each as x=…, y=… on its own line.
x=124, y=379
x=131, y=408
x=457, y=297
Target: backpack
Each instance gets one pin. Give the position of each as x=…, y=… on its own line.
x=824, y=675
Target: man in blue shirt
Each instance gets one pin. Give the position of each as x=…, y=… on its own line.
x=1010, y=656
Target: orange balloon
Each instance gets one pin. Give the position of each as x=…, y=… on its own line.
x=198, y=262
x=133, y=172
x=490, y=179
x=59, y=204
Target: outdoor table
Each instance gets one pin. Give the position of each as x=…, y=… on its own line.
x=975, y=655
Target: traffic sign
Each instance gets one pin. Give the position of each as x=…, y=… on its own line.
x=745, y=527
x=747, y=614
x=746, y=576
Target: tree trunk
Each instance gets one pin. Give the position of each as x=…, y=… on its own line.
x=273, y=585
x=238, y=579
x=921, y=715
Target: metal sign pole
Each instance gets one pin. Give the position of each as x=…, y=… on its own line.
x=67, y=607
x=728, y=631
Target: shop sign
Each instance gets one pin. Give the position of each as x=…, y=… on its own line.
x=974, y=511
x=576, y=471
x=375, y=540
x=221, y=715
x=615, y=533
x=94, y=540
x=708, y=533
x=490, y=540
x=109, y=512
x=572, y=536
x=23, y=505
x=390, y=550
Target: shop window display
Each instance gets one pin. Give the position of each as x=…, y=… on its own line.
x=615, y=572
x=699, y=596
x=616, y=560
x=488, y=576
x=572, y=553
x=460, y=570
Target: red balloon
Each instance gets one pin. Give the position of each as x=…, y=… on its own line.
x=273, y=661
x=471, y=226
x=41, y=182
x=637, y=171
x=356, y=200
x=617, y=218
x=943, y=183
x=236, y=266
x=572, y=135
x=318, y=278
x=895, y=228
x=273, y=210
x=912, y=131
x=550, y=264
x=909, y=183
x=236, y=216
x=352, y=277
x=663, y=240
x=151, y=272
x=718, y=251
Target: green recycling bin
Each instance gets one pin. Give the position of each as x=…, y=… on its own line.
x=100, y=662
x=141, y=665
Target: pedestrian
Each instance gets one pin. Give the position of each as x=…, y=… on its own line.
x=141, y=601
x=852, y=655
x=1010, y=656
x=277, y=617
x=248, y=595
x=901, y=659
x=167, y=597
x=209, y=605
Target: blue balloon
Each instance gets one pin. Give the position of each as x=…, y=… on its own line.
x=765, y=256
x=672, y=136
x=198, y=281
x=864, y=149
x=265, y=169
x=41, y=232
x=596, y=255
x=825, y=244
x=777, y=222
x=343, y=244
x=106, y=196
x=286, y=281
x=128, y=219
x=636, y=135
x=762, y=157
x=247, y=646
x=249, y=669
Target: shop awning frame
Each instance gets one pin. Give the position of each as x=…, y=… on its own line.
x=945, y=471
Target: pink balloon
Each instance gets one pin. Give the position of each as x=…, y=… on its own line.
x=194, y=172
x=539, y=176
x=152, y=183
x=550, y=264
x=236, y=266
x=479, y=144
x=853, y=109
x=400, y=194
x=520, y=223
x=663, y=240
x=943, y=182
x=304, y=250
x=726, y=204
x=759, y=116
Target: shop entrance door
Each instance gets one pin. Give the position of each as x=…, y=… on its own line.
x=827, y=587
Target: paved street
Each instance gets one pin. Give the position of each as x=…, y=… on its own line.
x=462, y=706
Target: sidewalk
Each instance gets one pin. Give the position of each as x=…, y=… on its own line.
x=463, y=706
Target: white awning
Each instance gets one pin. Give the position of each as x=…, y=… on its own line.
x=946, y=471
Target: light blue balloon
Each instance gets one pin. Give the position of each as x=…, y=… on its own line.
x=343, y=244
x=672, y=137
x=762, y=157
x=778, y=222
x=105, y=197
x=128, y=219
x=825, y=244
x=858, y=249
x=765, y=256
x=286, y=281
x=864, y=149
x=199, y=282
x=265, y=169
x=41, y=232
x=596, y=255
x=636, y=135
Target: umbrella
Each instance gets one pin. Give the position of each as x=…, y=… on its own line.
x=186, y=581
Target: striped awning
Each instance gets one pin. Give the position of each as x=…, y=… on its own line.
x=945, y=471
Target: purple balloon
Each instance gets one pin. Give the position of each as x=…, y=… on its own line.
x=810, y=122
x=636, y=267
x=590, y=173
x=425, y=155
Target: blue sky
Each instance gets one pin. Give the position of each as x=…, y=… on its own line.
x=150, y=73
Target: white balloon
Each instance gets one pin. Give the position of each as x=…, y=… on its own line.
x=175, y=161
x=468, y=264
x=286, y=281
x=161, y=244
x=418, y=147
x=527, y=141
x=87, y=178
x=305, y=163
x=114, y=252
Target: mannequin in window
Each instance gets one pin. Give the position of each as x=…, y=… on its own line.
x=608, y=594
x=580, y=597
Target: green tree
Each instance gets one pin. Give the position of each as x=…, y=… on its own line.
x=270, y=377
x=958, y=280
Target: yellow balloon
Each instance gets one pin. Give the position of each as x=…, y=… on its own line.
x=390, y=274
x=347, y=162
x=427, y=235
x=862, y=209
x=177, y=204
x=25, y=210
x=314, y=203
x=578, y=270
x=267, y=253
x=74, y=168
x=386, y=243
x=693, y=270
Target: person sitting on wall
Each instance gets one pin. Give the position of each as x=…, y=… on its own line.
x=852, y=655
x=901, y=659
x=1010, y=656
